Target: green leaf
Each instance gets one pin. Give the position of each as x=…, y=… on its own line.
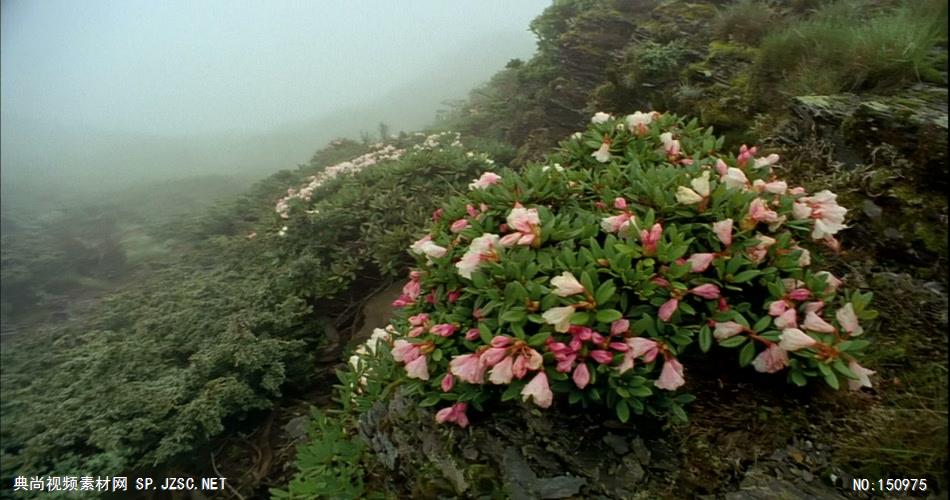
x=580, y=318
x=843, y=369
x=762, y=323
x=587, y=281
x=733, y=341
x=608, y=315
x=513, y=391
x=746, y=276
x=431, y=400
x=623, y=411
x=705, y=338
x=797, y=378
x=516, y=315
x=485, y=333
x=605, y=292
x=831, y=379
x=746, y=354
x=640, y=391
x=852, y=345
x=538, y=339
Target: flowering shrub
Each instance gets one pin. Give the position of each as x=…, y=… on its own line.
x=305, y=193
x=587, y=278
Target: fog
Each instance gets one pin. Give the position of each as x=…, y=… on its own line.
x=104, y=94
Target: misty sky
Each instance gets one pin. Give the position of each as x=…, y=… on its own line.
x=75, y=71
x=187, y=66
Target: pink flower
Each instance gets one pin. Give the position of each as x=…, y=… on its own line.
x=793, y=339
x=412, y=289
x=471, y=210
x=468, y=367
x=619, y=327
x=493, y=356
x=706, y=291
x=538, y=390
x=405, y=352
x=581, y=376
x=799, y=294
x=526, y=225
x=778, y=307
x=437, y=215
x=417, y=368
x=671, y=377
x=651, y=238
x=863, y=376
x=419, y=319
x=403, y=301
x=487, y=179
x=454, y=413
x=788, y=319
x=832, y=283
x=617, y=223
x=646, y=348
x=721, y=168
x=759, y=212
x=620, y=203
x=501, y=372
x=670, y=145
x=727, y=329
x=566, y=285
x=758, y=253
x=448, y=382
x=699, y=262
x=453, y=296
x=815, y=323
x=771, y=360
x=848, y=320
x=459, y=226
x=668, y=308
x=723, y=230
x=443, y=329
x=472, y=334
x=601, y=356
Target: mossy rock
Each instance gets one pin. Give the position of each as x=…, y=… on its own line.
x=914, y=122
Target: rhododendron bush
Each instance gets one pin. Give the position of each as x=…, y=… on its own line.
x=584, y=280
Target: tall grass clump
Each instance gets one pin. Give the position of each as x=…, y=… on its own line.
x=847, y=47
x=744, y=21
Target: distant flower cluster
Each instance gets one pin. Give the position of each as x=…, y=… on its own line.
x=380, y=154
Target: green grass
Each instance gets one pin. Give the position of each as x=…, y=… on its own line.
x=847, y=46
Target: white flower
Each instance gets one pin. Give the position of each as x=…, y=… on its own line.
x=768, y=160
x=482, y=248
x=793, y=339
x=862, y=373
x=566, y=285
x=735, y=179
x=638, y=121
x=687, y=196
x=701, y=184
x=560, y=317
x=600, y=117
x=603, y=154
